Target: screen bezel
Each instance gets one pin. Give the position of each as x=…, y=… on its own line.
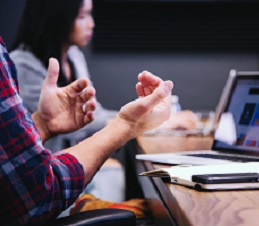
x=253, y=75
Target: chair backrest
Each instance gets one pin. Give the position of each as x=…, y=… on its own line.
x=100, y=217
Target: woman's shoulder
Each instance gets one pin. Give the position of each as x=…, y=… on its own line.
x=25, y=58
x=77, y=57
x=75, y=53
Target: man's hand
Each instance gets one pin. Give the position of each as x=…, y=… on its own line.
x=63, y=110
x=185, y=119
x=152, y=107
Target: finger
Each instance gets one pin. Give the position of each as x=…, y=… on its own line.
x=53, y=73
x=89, y=106
x=77, y=86
x=145, y=90
x=89, y=117
x=159, y=94
x=139, y=89
x=146, y=78
x=149, y=82
x=148, y=90
x=87, y=94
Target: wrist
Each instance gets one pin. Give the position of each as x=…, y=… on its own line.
x=41, y=126
x=126, y=128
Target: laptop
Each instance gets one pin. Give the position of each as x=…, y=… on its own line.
x=225, y=94
x=236, y=138
x=213, y=117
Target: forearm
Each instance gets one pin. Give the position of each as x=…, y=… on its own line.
x=93, y=151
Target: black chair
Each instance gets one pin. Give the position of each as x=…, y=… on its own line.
x=99, y=217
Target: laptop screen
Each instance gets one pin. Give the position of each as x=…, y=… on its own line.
x=238, y=128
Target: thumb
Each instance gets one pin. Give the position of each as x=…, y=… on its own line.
x=161, y=92
x=53, y=73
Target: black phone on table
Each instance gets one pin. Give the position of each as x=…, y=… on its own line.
x=226, y=178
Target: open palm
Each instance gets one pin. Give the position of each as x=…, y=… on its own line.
x=61, y=109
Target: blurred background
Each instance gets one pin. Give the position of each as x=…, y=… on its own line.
x=194, y=43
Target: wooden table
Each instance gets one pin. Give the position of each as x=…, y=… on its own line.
x=185, y=205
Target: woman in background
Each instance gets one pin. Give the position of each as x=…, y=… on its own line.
x=57, y=28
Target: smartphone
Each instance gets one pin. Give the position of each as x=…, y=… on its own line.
x=226, y=178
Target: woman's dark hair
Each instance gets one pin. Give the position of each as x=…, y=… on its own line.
x=45, y=27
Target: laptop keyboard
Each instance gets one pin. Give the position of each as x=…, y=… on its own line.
x=226, y=157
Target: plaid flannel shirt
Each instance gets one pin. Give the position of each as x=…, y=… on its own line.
x=35, y=185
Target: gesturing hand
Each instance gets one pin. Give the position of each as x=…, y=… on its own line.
x=152, y=107
x=66, y=109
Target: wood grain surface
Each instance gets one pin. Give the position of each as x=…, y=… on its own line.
x=195, y=208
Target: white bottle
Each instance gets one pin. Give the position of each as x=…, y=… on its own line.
x=175, y=105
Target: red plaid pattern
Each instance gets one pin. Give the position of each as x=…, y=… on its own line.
x=35, y=185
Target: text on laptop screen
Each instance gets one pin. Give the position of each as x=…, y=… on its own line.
x=243, y=106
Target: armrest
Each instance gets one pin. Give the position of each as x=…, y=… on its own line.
x=99, y=217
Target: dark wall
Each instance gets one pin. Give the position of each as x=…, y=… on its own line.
x=10, y=13
x=176, y=26
x=193, y=43
x=199, y=76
